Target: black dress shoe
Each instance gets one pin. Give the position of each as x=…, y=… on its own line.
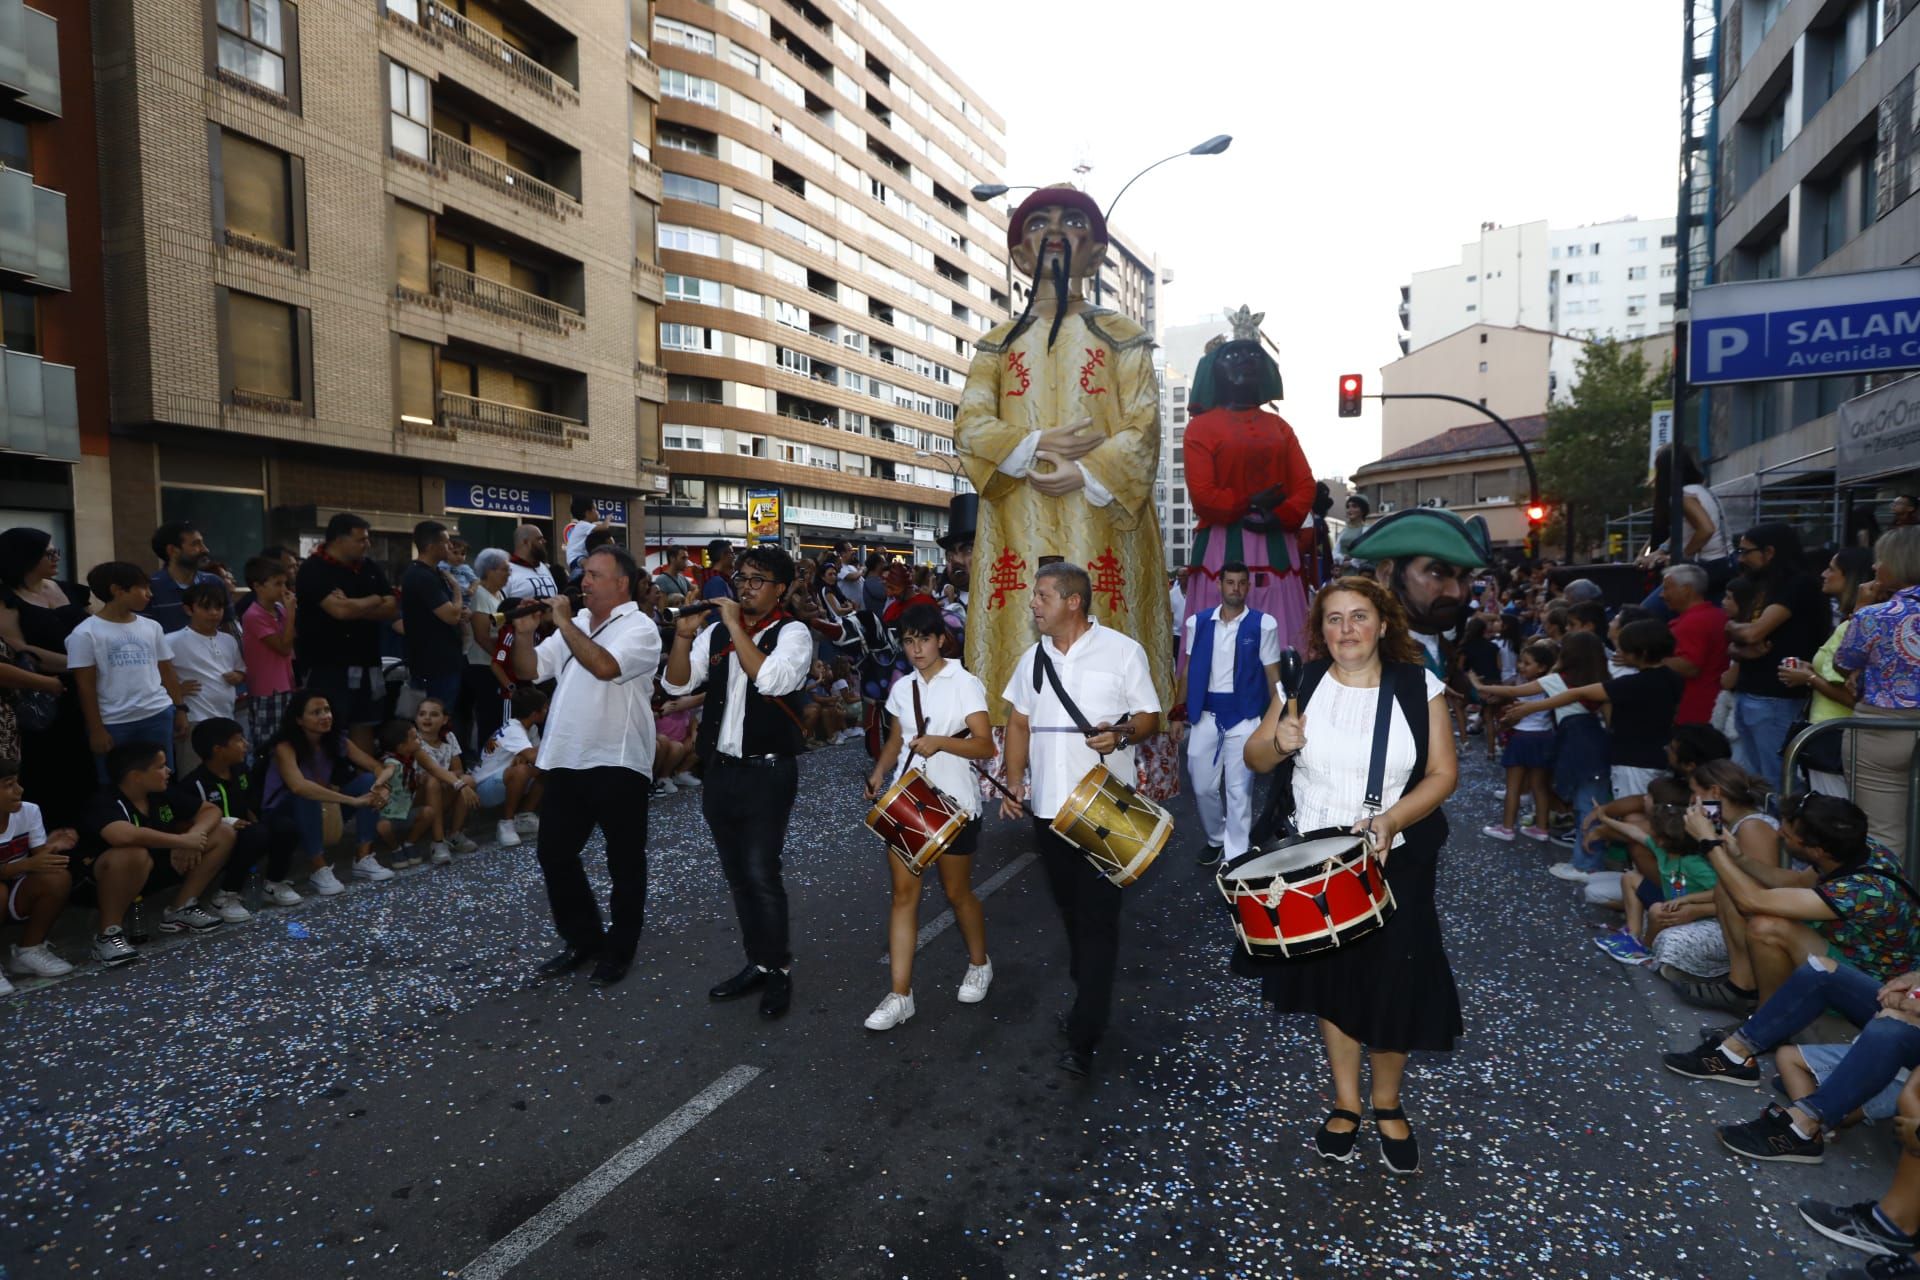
x=748, y=980
x=609, y=971
x=778, y=995
x=1210, y=855
x=566, y=962
x=1076, y=1062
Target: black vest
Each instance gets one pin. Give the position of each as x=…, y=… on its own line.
x=772, y=725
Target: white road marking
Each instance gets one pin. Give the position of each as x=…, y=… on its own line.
x=521, y=1243
x=944, y=921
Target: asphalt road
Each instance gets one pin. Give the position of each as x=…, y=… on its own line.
x=369, y=1086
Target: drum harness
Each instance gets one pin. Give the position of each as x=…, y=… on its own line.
x=1043, y=668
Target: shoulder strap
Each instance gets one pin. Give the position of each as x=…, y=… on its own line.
x=1043, y=664
x=919, y=716
x=1382, y=725
x=1410, y=692
x=1310, y=677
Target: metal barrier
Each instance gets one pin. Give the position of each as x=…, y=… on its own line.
x=1910, y=727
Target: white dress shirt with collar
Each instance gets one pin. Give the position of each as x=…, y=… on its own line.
x=594, y=723
x=947, y=700
x=1226, y=632
x=782, y=671
x=1106, y=675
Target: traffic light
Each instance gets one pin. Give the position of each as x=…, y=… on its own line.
x=1616, y=544
x=1536, y=514
x=1349, y=395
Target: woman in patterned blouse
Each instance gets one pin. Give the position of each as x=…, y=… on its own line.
x=1881, y=651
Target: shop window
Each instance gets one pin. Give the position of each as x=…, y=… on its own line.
x=236, y=523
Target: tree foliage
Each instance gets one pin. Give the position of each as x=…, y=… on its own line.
x=1596, y=445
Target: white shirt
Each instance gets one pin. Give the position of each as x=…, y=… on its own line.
x=1106, y=675
x=947, y=700
x=126, y=657
x=528, y=582
x=1330, y=773
x=1019, y=464
x=1225, y=631
x=26, y=831
x=576, y=542
x=783, y=671
x=1552, y=685
x=206, y=659
x=594, y=723
x=1715, y=547
x=484, y=601
x=501, y=749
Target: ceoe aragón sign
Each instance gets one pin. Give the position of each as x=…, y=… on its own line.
x=1812, y=327
x=467, y=493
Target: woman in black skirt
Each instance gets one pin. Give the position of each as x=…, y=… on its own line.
x=1391, y=991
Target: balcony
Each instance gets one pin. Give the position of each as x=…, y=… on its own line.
x=451, y=284
x=646, y=179
x=39, y=408
x=29, y=58
x=33, y=233
x=651, y=380
x=642, y=74
x=455, y=156
x=649, y=281
x=491, y=417
x=489, y=48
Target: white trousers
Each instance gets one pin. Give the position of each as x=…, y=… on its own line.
x=1222, y=783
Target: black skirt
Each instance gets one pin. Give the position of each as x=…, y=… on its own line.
x=1391, y=990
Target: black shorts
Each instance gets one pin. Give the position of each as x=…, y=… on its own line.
x=966, y=842
x=351, y=706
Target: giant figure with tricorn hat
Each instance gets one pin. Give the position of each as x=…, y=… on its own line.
x=1426, y=556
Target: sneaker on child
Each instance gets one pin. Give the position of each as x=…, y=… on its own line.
x=505, y=832
x=892, y=1011
x=325, y=883
x=37, y=962
x=112, y=948
x=973, y=987
x=369, y=868
x=192, y=916
x=230, y=909
x=281, y=894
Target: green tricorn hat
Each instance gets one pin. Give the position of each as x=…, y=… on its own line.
x=1427, y=531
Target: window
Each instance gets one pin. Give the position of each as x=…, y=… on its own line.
x=688, y=337
x=412, y=230
x=678, y=84
x=749, y=255
x=413, y=382
x=793, y=317
x=1596, y=250
x=1576, y=250
x=730, y=498
x=692, y=439
x=256, y=191
x=677, y=186
x=745, y=60
x=1472, y=307
x=749, y=445
x=1556, y=251
x=747, y=302
x=795, y=362
x=252, y=42
x=408, y=9
x=1666, y=271
x=1666, y=299
x=263, y=348
x=684, y=493
x=1472, y=279
x=1668, y=242
x=407, y=101
x=689, y=240
x=747, y=207
x=679, y=137
x=789, y=451
x=686, y=35
x=1636, y=273
x=19, y=322
x=1637, y=245
x=692, y=289
x=1483, y=366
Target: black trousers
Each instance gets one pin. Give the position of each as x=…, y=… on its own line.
x=1089, y=906
x=257, y=840
x=747, y=804
x=574, y=802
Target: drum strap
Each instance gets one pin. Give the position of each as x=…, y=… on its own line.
x=1382, y=725
x=1043, y=665
x=920, y=729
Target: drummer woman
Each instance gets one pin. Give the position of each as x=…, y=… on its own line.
x=951, y=702
x=1392, y=990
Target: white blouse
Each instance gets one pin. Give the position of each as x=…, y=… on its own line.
x=1330, y=773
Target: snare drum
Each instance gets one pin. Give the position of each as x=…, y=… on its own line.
x=1306, y=894
x=917, y=821
x=1120, y=830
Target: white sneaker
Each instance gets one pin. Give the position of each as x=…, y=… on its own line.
x=505, y=832
x=369, y=868
x=849, y=735
x=665, y=787
x=1567, y=871
x=973, y=987
x=192, y=917
x=6, y=988
x=38, y=962
x=325, y=883
x=893, y=1011
x=281, y=894
x=230, y=909
x=441, y=854
x=528, y=824
x=685, y=781
x=461, y=842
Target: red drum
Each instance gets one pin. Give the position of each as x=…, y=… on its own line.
x=917, y=820
x=1306, y=894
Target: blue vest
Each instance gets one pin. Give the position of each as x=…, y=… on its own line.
x=1248, y=701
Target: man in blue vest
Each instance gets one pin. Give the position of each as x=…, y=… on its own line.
x=1233, y=662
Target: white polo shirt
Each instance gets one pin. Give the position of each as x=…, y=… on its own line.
x=1106, y=675
x=947, y=700
x=529, y=582
x=594, y=723
x=1220, y=674
x=783, y=671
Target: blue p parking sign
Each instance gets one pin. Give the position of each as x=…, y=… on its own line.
x=1813, y=327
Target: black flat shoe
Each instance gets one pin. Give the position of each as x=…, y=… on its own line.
x=1210, y=855
x=566, y=962
x=1401, y=1154
x=777, y=996
x=1338, y=1147
x=745, y=982
x=1076, y=1062
x=609, y=971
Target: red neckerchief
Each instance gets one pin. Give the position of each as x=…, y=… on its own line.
x=777, y=616
x=524, y=564
x=320, y=553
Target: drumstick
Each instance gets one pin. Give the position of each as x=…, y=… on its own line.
x=1290, y=679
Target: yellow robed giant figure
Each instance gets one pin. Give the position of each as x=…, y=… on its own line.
x=1059, y=430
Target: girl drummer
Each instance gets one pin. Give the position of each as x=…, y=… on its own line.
x=1390, y=991
x=951, y=702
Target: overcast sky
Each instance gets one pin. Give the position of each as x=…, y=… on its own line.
x=1370, y=140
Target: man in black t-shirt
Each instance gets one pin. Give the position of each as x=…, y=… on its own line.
x=341, y=600
x=1792, y=621
x=140, y=835
x=434, y=618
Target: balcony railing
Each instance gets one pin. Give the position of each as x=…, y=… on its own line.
x=39, y=407
x=503, y=300
x=33, y=231
x=470, y=413
x=457, y=157
x=30, y=57
x=488, y=47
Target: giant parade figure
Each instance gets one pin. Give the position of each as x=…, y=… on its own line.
x=1249, y=480
x=1059, y=430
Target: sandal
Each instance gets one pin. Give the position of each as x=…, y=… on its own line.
x=1401, y=1154
x=1338, y=1147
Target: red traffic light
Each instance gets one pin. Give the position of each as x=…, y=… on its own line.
x=1536, y=512
x=1349, y=395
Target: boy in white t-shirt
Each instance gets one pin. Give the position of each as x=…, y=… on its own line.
x=506, y=774
x=122, y=665
x=34, y=881
x=207, y=660
x=938, y=731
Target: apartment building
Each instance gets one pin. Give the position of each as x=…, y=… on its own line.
x=827, y=272
x=1170, y=484
x=393, y=257
x=53, y=424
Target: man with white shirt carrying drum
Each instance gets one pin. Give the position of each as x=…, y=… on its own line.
x=1078, y=674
